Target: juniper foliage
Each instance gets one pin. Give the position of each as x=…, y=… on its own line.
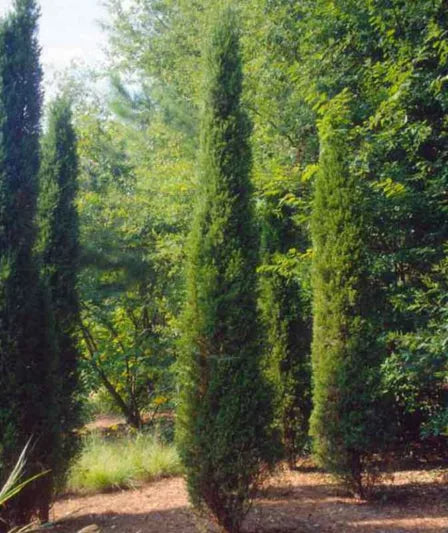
x=285, y=308
x=346, y=424
x=27, y=370
x=225, y=415
x=60, y=259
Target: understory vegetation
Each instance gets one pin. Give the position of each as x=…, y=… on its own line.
x=121, y=462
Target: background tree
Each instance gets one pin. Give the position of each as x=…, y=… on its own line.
x=284, y=303
x=345, y=423
x=319, y=49
x=27, y=364
x=60, y=257
x=132, y=222
x=224, y=417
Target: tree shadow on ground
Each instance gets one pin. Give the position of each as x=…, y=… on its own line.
x=168, y=520
x=295, y=502
x=409, y=507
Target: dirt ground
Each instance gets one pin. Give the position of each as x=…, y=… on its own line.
x=300, y=501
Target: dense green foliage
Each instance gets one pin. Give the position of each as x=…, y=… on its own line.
x=60, y=258
x=27, y=362
x=399, y=114
x=224, y=415
x=298, y=57
x=345, y=422
x=416, y=372
x=284, y=306
x=129, y=283
x=321, y=127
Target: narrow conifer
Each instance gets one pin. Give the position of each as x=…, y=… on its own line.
x=60, y=257
x=224, y=418
x=27, y=367
x=344, y=423
x=287, y=322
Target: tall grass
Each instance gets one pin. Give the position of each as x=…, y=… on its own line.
x=122, y=463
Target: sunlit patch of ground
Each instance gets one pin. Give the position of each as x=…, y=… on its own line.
x=413, y=502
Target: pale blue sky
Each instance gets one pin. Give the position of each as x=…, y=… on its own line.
x=68, y=30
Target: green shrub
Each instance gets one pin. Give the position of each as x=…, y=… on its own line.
x=122, y=463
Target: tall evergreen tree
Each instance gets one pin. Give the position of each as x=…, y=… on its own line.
x=286, y=314
x=225, y=416
x=26, y=353
x=345, y=423
x=60, y=256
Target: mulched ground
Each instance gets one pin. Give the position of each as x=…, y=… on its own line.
x=301, y=501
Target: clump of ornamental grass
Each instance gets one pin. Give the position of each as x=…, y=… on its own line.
x=122, y=463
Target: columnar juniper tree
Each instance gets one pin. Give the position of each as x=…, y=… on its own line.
x=286, y=315
x=26, y=353
x=224, y=417
x=60, y=255
x=344, y=421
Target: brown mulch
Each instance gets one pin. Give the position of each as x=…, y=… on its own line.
x=103, y=422
x=301, y=501
x=116, y=426
x=154, y=508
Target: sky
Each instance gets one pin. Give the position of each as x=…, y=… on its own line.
x=69, y=30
